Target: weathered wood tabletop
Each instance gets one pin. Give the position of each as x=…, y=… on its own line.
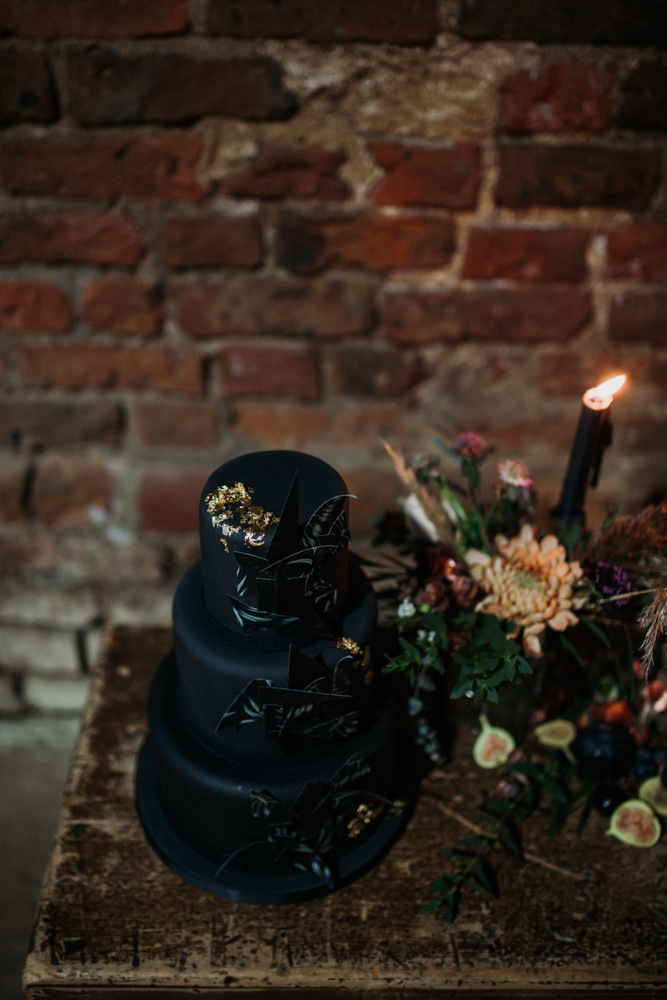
x=113, y=922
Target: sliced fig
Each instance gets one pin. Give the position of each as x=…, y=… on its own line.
x=654, y=792
x=557, y=733
x=635, y=823
x=493, y=745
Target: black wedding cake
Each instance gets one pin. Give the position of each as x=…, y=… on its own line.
x=272, y=772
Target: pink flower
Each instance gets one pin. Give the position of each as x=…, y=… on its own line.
x=514, y=473
x=471, y=445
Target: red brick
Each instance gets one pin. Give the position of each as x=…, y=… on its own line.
x=417, y=174
x=639, y=315
x=643, y=435
x=24, y=556
x=303, y=172
x=562, y=97
x=102, y=366
x=122, y=305
x=643, y=103
x=264, y=305
x=403, y=22
x=27, y=93
x=633, y=22
x=638, y=251
x=526, y=254
x=177, y=425
x=526, y=315
x=376, y=491
x=109, y=88
x=13, y=477
x=576, y=176
x=169, y=496
x=517, y=437
x=272, y=371
x=94, y=18
x=34, y=306
x=308, y=244
x=317, y=427
x=80, y=237
x=212, y=241
x=570, y=373
x=72, y=491
x=369, y=370
x=38, y=424
x=103, y=166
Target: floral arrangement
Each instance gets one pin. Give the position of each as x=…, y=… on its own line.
x=481, y=598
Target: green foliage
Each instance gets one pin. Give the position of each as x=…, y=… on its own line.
x=475, y=870
x=488, y=659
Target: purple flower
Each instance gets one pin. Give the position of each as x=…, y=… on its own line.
x=610, y=581
x=471, y=445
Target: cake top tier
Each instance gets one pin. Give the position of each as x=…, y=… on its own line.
x=273, y=528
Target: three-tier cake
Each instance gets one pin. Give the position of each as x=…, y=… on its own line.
x=272, y=772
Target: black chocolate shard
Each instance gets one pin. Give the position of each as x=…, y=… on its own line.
x=302, y=670
x=324, y=518
x=259, y=694
x=310, y=797
x=354, y=767
x=250, y=619
x=310, y=625
x=334, y=729
x=247, y=568
x=264, y=805
x=286, y=536
x=248, y=706
x=301, y=563
x=339, y=527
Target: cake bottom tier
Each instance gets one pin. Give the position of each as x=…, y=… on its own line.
x=262, y=834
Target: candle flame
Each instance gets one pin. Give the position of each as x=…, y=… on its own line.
x=607, y=388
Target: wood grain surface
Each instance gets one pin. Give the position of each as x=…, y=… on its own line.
x=113, y=922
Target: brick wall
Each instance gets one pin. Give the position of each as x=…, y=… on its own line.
x=238, y=224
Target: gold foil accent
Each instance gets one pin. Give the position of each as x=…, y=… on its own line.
x=224, y=542
x=227, y=503
x=357, y=660
x=366, y=813
x=349, y=644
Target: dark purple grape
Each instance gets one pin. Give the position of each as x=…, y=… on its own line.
x=645, y=765
x=606, y=798
x=605, y=751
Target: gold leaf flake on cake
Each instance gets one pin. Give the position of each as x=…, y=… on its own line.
x=234, y=503
x=365, y=814
x=349, y=644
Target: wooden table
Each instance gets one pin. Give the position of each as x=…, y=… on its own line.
x=113, y=922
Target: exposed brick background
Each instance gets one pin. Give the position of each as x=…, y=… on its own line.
x=238, y=224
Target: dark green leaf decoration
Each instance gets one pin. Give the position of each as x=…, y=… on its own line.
x=250, y=619
x=324, y=519
x=353, y=769
x=335, y=729
x=247, y=566
x=247, y=706
x=264, y=805
x=299, y=564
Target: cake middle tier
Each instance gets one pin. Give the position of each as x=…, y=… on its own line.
x=268, y=706
x=220, y=806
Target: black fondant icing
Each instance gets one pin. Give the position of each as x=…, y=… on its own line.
x=273, y=742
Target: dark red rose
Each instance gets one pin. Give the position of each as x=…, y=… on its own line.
x=435, y=594
x=467, y=592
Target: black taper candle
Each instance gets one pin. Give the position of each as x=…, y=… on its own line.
x=594, y=432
